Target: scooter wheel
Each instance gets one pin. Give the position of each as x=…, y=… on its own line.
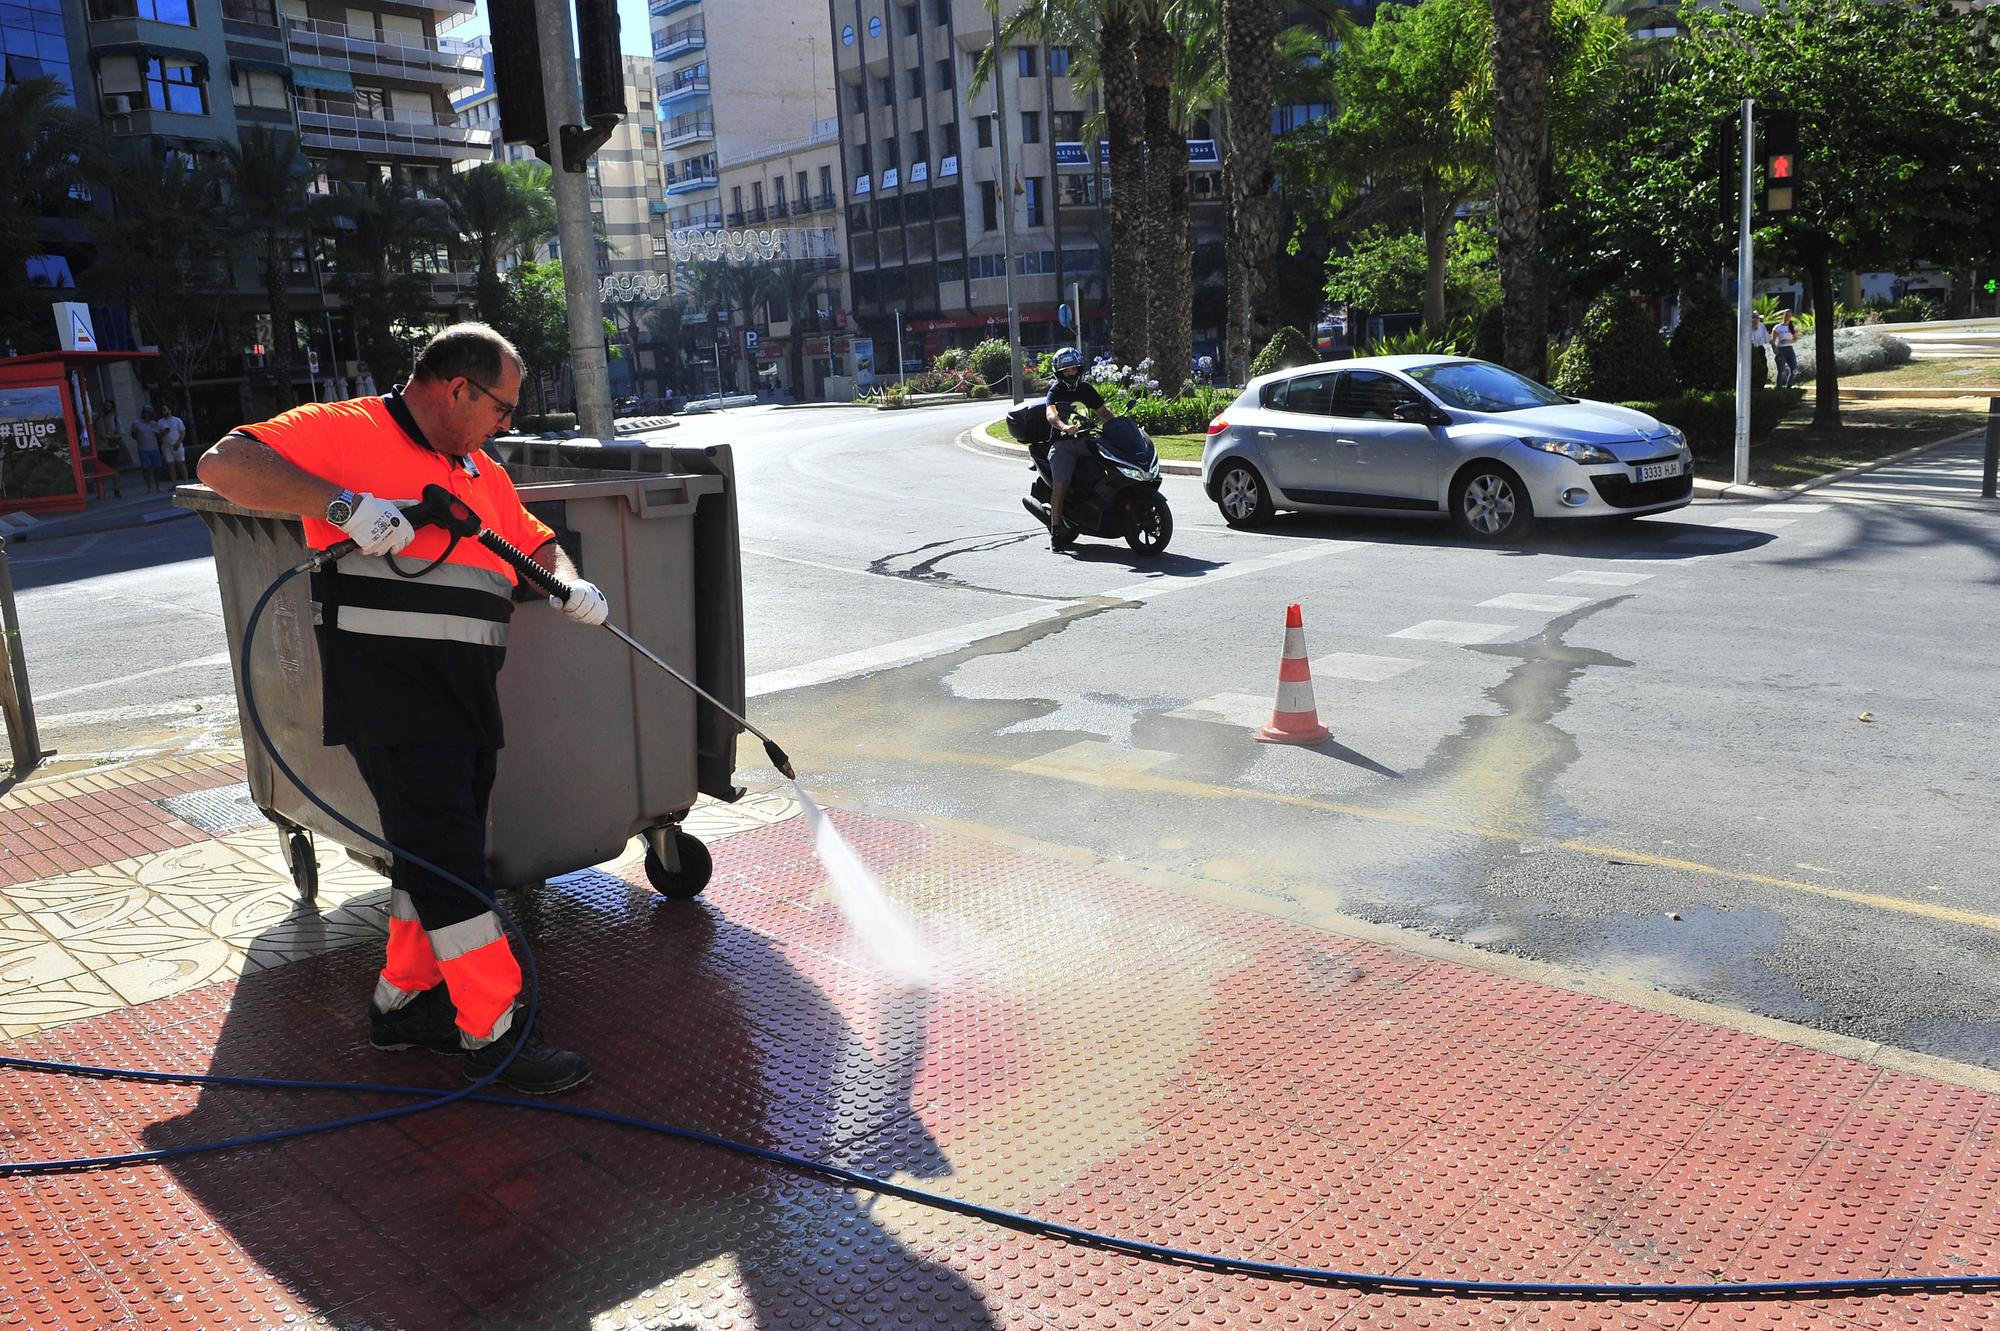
x=686, y=882
x=1149, y=525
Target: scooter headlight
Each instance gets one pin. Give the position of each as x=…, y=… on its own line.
x=1132, y=473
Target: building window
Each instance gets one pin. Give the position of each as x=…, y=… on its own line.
x=892, y=154
x=1078, y=190
x=260, y=13
x=1068, y=125
x=254, y=87
x=917, y=81
x=989, y=205
x=951, y=139
x=983, y=126
x=659, y=247
x=757, y=195
x=177, y=12
x=885, y=89
x=858, y=96
x=778, y=193
x=941, y=12
x=865, y=159
x=826, y=181
x=920, y=146
x=1035, y=201
x=1058, y=61
x=909, y=20
x=371, y=103
x=1024, y=60
x=736, y=199
x=805, y=188
x=1031, y=126
x=944, y=79
x=173, y=85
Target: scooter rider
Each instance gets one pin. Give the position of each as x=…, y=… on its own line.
x=1066, y=387
x=410, y=668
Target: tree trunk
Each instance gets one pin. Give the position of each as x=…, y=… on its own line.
x=1124, y=112
x=1249, y=34
x=1826, y=375
x=283, y=336
x=1522, y=44
x=1437, y=230
x=1170, y=303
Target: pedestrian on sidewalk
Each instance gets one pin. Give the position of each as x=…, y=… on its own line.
x=410, y=667
x=1760, y=339
x=146, y=438
x=173, y=444
x=110, y=446
x=1784, y=345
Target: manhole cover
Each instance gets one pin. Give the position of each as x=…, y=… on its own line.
x=217, y=812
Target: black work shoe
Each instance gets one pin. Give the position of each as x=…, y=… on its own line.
x=539, y=1069
x=428, y=1021
x=1062, y=537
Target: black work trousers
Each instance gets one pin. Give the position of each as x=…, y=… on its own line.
x=432, y=800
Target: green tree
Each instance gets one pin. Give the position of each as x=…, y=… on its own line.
x=793, y=286
x=499, y=210
x=42, y=146
x=535, y=318
x=266, y=175
x=1383, y=271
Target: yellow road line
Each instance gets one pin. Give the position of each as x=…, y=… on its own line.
x=1152, y=782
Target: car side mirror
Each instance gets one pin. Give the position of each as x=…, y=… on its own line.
x=1414, y=413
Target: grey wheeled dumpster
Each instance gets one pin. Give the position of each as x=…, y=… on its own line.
x=602, y=746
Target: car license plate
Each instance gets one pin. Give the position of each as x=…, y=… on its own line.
x=1659, y=471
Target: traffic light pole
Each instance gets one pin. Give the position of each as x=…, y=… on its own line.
x=1006, y=215
x=591, y=372
x=1745, y=279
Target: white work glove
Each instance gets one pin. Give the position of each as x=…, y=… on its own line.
x=586, y=604
x=378, y=526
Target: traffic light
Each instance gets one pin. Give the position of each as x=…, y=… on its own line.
x=1781, y=161
x=517, y=79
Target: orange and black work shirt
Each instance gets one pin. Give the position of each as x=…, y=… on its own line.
x=406, y=659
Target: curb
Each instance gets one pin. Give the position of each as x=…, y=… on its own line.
x=979, y=441
x=823, y=406
x=1870, y=394
x=1725, y=490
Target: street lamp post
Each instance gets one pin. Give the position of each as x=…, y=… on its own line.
x=1006, y=211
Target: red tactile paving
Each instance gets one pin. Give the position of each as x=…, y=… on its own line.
x=81, y=832
x=1094, y=1053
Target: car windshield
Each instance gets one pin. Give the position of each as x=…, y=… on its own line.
x=1477, y=385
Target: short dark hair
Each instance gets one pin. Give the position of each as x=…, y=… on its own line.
x=467, y=350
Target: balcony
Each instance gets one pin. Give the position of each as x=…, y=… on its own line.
x=693, y=182
x=363, y=51
x=823, y=203
x=679, y=40
x=754, y=216
x=397, y=138
x=736, y=218
x=686, y=130
x=659, y=8
x=680, y=91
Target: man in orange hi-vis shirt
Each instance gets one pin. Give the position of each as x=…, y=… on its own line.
x=411, y=650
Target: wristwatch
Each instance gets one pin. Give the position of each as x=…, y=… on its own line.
x=341, y=507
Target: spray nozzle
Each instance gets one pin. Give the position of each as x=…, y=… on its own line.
x=779, y=760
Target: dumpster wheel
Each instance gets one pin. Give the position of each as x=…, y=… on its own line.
x=305, y=867
x=692, y=866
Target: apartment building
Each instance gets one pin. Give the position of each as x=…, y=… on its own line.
x=735, y=82
x=923, y=183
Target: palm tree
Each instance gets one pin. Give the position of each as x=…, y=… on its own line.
x=380, y=235
x=161, y=251
x=1170, y=296
x=269, y=208
x=1249, y=32
x=42, y=146
x=498, y=210
x=794, y=285
x=1523, y=47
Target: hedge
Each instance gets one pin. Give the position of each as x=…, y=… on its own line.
x=1709, y=419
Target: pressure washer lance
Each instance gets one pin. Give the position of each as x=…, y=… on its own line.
x=439, y=507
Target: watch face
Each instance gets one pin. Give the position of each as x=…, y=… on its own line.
x=339, y=510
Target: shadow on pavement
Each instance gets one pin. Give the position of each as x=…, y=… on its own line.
x=1648, y=539
x=485, y=1216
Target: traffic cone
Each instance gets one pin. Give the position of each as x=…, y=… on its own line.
x=1295, y=718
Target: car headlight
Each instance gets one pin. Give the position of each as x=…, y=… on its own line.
x=1587, y=455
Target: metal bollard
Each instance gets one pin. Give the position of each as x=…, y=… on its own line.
x=1986, y=484
x=16, y=703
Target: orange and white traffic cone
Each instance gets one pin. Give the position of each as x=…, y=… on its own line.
x=1295, y=718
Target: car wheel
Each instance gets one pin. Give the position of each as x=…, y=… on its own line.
x=1242, y=497
x=1489, y=503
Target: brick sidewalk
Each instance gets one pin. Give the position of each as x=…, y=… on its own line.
x=1094, y=1051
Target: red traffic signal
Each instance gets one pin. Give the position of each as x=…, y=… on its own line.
x=1781, y=162
x=1780, y=167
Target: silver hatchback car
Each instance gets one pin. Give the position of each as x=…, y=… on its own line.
x=1437, y=436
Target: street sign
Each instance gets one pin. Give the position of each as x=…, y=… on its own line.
x=749, y=339
x=312, y=361
x=1064, y=317
x=73, y=326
